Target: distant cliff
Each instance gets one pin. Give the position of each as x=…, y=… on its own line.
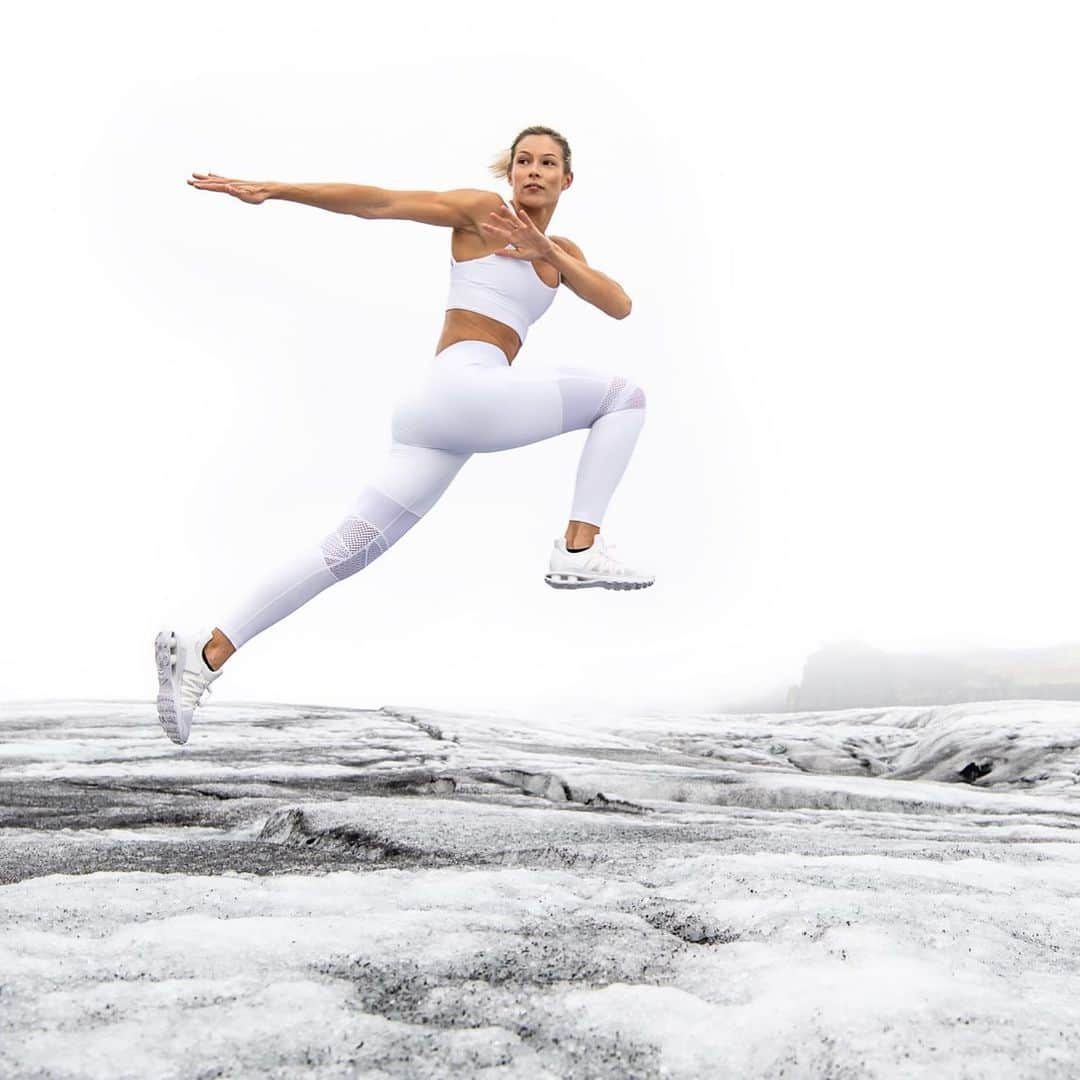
x=851, y=675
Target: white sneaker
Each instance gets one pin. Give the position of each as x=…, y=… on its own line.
x=183, y=679
x=592, y=568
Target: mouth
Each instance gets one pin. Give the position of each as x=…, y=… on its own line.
x=533, y=187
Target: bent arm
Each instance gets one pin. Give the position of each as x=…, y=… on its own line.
x=459, y=209
x=587, y=282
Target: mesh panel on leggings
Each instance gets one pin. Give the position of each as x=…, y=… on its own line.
x=618, y=384
x=352, y=546
x=621, y=394
x=375, y=523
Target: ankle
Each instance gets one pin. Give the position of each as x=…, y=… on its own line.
x=217, y=650
x=580, y=534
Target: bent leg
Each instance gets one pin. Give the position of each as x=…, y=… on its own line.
x=408, y=486
x=611, y=407
x=474, y=402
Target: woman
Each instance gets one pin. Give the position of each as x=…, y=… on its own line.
x=504, y=274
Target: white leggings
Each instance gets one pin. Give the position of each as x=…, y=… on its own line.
x=471, y=400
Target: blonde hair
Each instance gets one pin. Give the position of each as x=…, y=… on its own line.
x=500, y=166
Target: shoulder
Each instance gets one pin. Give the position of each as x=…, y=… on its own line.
x=490, y=200
x=475, y=204
x=569, y=247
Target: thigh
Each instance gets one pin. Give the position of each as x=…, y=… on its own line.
x=524, y=405
x=413, y=477
x=488, y=407
x=499, y=409
x=584, y=394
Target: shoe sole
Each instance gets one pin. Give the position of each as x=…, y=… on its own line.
x=575, y=581
x=165, y=657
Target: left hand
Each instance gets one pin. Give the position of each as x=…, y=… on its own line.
x=517, y=229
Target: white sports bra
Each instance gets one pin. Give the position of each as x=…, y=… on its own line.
x=506, y=289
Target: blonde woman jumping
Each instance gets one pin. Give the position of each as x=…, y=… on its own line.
x=505, y=271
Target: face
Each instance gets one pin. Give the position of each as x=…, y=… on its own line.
x=538, y=160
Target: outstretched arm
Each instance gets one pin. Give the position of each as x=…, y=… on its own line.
x=459, y=209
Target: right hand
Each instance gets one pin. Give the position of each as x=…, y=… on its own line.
x=249, y=191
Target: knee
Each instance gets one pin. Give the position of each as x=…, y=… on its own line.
x=375, y=524
x=351, y=546
x=622, y=393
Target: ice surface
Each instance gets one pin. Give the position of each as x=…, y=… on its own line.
x=409, y=893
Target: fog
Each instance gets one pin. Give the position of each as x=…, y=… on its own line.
x=849, y=233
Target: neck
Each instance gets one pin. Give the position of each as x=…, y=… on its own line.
x=540, y=216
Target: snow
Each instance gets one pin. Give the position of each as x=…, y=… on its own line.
x=404, y=892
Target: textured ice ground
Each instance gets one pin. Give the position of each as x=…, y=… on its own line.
x=885, y=892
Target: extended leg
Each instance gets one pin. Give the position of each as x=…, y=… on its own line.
x=409, y=485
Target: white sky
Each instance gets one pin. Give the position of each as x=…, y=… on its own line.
x=850, y=234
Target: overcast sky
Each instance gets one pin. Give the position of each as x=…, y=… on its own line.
x=850, y=233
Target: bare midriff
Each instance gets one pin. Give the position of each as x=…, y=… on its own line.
x=462, y=325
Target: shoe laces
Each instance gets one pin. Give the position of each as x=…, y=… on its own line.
x=600, y=558
x=195, y=689
x=609, y=564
